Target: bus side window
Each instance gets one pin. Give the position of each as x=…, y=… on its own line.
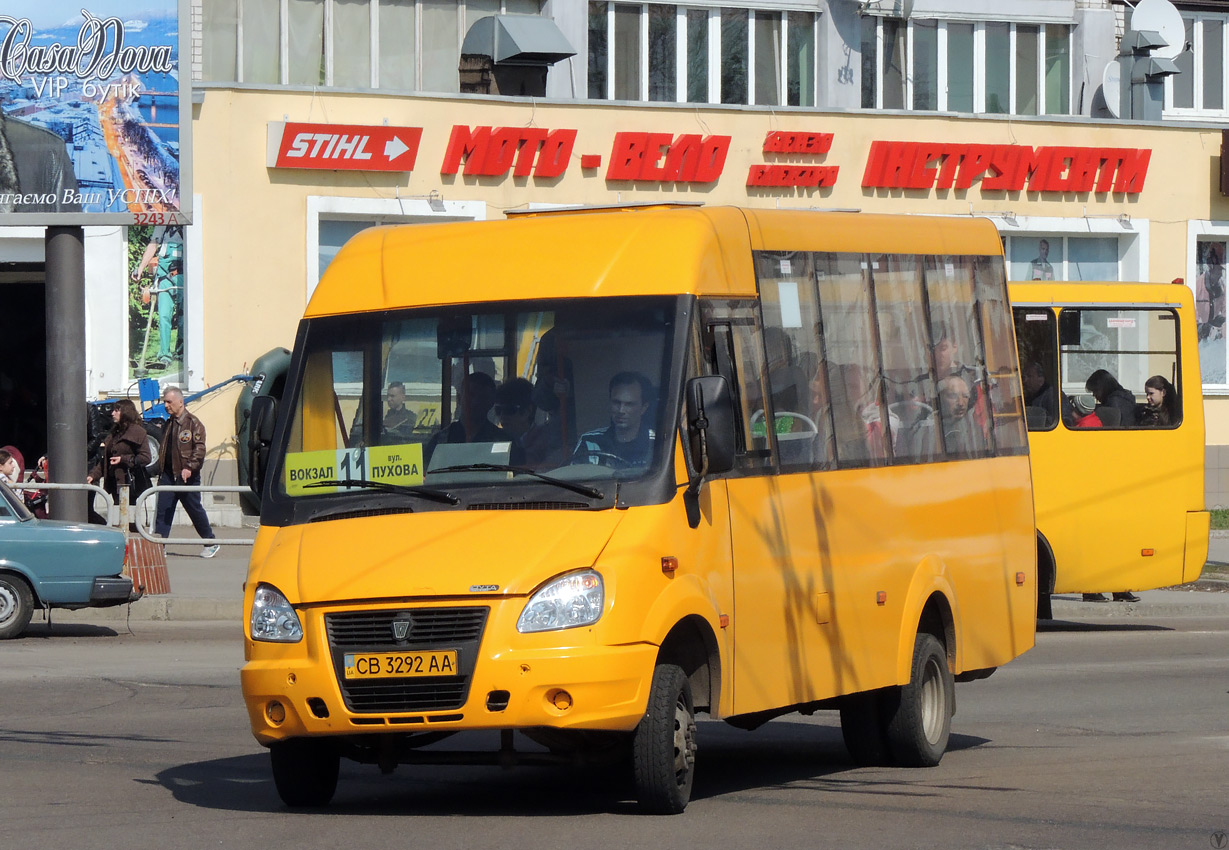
x=1036, y=346
x=959, y=356
x=1002, y=380
x=733, y=332
x=908, y=373
x=860, y=418
x=797, y=377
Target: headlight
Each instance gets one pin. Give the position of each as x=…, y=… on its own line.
x=567, y=602
x=273, y=619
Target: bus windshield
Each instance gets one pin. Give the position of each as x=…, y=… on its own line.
x=444, y=400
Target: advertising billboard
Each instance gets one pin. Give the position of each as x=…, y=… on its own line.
x=95, y=112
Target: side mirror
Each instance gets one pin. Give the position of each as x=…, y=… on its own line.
x=710, y=425
x=710, y=436
x=264, y=417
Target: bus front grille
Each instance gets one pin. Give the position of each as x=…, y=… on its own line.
x=429, y=629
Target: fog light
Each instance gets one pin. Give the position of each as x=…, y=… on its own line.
x=561, y=700
x=276, y=712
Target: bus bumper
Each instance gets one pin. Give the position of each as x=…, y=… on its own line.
x=596, y=688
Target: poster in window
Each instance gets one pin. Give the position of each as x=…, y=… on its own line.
x=1210, y=309
x=155, y=283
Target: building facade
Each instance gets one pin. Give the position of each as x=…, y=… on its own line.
x=313, y=119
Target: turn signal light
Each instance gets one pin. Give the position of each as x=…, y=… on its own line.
x=1147, y=553
x=669, y=564
x=1019, y=579
x=881, y=597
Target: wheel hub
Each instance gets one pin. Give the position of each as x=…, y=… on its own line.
x=8, y=604
x=684, y=741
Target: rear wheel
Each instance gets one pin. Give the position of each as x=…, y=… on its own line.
x=305, y=771
x=16, y=606
x=920, y=723
x=664, y=744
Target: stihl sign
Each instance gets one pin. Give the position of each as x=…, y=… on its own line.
x=351, y=147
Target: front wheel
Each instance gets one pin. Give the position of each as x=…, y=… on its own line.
x=921, y=721
x=16, y=606
x=305, y=771
x=664, y=744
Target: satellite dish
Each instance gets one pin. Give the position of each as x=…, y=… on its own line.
x=1161, y=16
x=1111, y=88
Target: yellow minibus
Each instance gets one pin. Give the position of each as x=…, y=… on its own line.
x=1115, y=417
x=686, y=461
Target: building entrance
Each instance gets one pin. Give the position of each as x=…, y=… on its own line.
x=23, y=359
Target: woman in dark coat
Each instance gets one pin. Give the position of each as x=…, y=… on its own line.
x=1111, y=394
x=125, y=453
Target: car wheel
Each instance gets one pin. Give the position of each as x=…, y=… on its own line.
x=16, y=606
x=921, y=720
x=664, y=744
x=305, y=771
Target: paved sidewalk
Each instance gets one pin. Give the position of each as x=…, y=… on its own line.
x=212, y=589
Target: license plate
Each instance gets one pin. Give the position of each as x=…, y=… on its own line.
x=400, y=665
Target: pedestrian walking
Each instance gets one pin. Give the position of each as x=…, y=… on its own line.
x=183, y=453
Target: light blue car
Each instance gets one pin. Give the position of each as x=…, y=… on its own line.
x=52, y=564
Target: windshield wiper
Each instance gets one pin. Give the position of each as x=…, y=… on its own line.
x=383, y=486
x=582, y=489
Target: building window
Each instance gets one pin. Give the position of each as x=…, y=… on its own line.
x=1058, y=257
x=1199, y=86
x=401, y=45
x=953, y=66
x=672, y=53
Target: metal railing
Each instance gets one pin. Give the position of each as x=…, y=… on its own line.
x=187, y=488
x=122, y=514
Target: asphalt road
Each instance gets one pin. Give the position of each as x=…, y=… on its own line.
x=1108, y=734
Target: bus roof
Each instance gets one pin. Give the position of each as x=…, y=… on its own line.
x=652, y=251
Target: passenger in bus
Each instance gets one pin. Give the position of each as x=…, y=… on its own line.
x=1161, y=408
x=473, y=423
x=961, y=434
x=1115, y=404
x=399, y=421
x=540, y=442
x=628, y=440
x=1039, y=396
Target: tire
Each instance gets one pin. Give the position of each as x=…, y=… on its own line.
x=305, y=771
x=664, y=744
x=864, y=729
x=16, y=606
x=920, y=722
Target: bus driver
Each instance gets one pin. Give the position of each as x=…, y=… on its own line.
x=628, y=440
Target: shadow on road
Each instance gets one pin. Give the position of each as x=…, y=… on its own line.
x=66, y=630
x=1086, y=626
x=730, y=760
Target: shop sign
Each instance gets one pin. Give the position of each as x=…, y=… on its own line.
x=929, y=165
x=810, y=176
x=494, y=151
x=666, y=158
x=95, y=113
x=343, y=147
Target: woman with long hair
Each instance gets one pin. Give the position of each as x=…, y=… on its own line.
x=1161, y=408
x=125, y=454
